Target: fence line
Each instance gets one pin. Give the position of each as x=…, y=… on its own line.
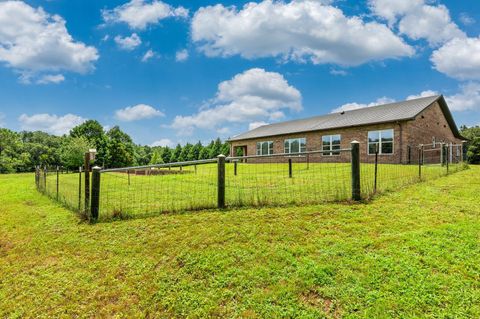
x=257, y=180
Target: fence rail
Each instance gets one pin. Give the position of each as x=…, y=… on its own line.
x=258, y=180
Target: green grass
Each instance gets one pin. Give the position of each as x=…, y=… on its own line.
x=408, y=254
x=254, y=185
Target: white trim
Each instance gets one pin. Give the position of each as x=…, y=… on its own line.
x=261, y=149
x=290, y=140
x=331, y=150
x=380, y=142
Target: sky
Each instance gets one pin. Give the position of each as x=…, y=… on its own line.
x=186, y=71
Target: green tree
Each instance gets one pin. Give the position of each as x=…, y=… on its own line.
x=72, y=151
x=120, y=149
x=176, y=154
x=156, y=157
x=167, y=154
x=472, y=134
x=194, y=153
x=95, y=134
x=185, y=151
x=215, y=148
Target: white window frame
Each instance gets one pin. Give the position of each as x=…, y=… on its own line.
x=291, y=140
x=380, y=142
x=332, y=151
x=259, y=150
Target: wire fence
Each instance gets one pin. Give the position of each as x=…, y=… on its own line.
x=264, y=180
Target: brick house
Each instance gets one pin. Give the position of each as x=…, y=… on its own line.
x=398, y=128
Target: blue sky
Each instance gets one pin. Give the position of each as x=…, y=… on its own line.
x=179, y=71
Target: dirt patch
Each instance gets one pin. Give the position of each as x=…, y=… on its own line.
x=315, y=300
x=5, y=247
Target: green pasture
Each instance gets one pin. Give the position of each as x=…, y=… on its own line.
x=125, y=195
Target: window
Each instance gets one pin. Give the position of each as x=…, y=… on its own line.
x=296, y=145
x=331, y=143
x=265, y=148
x=384, y=140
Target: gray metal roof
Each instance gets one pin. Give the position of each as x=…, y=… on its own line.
x=385, y=113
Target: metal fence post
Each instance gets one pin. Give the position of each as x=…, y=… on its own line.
x=420, y=159
x=409, y=152
x=58, y=170
x=290, y=168
x=235, y=162
x=376, y=168
x=221, y=181
x=79, y=188
x=45, y=179
x=356, y=192
x=87, y=181
x=447, y=159
x=442, y=154
x=95, y=200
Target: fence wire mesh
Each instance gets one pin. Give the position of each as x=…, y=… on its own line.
x=279, y=179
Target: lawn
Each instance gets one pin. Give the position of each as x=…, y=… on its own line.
x=195, y=187
x=412, y=253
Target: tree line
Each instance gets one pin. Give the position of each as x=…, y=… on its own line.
x=22, y=151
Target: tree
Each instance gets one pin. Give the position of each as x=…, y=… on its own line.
x=215, y=148
x=176, y=154
x=185, y=151
x=473, y=144
x=95, y=134
x=194, y=153
x=156, y=157
x=120, y=149
x=73, y=150
x=166, y=154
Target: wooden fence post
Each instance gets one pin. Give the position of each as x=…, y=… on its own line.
x=221, y=181
x=290, y=168
x=235, y=162
x=447, y=159
x=45, y=179
x=356, y=192
x=95, y=200
x=442, y=154
x=409, y=152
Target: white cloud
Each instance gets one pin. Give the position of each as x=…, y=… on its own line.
x=467, y=99
x=137, y=112
x=148, y=55
x=163, y=142
x=466, y=19
x=138, y=14
x=128, y=43
x=254, y=125
x=251, y=96
x=338, y=72
x=298, y=30
x=356, y=106
x=51, y=78
x=181, y=55
x=459, y=59
x=33, y=41
x=426, y=93
x=418, y=20
x=50, y=123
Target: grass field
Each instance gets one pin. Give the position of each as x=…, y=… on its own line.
x=124, y=196
x=410, y=254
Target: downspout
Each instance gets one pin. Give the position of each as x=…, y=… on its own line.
x=401, y=142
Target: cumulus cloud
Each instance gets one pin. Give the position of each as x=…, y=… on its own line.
x=298, y=30
x=33, y=41
x=251, y=96
x=418, y=20
x=356, y=106
x=426, y=93
x=148, y=55
x=181, y=55
x=137, y=112
x=50, y=123
x=138, y=14
x=51, y=78
x=128, y=43
x=163, y=142
x=467, y=99
x=459, y=59
x=466, y=19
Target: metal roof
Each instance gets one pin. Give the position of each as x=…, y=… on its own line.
x=392, y=112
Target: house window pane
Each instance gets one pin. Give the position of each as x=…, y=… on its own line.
x=295, y=145
x=387, y=136
x=373, y=136
x=270, y=147
x=330, y=143
x=384, y=140
x=259, y=148
x=387, y=148
x=265, y=148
